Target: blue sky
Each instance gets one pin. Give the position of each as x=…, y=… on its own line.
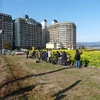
x=84, y=13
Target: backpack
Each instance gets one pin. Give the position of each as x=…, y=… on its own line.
x=37, y=61
x=75, y=57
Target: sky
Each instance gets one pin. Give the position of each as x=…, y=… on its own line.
x=84, y=13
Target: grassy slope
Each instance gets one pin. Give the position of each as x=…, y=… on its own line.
x=25, y=79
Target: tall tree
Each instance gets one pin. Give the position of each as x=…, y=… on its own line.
x=7, y=45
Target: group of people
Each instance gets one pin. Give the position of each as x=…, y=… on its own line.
x=62, y=58
x=59, y=57
x=45, y=55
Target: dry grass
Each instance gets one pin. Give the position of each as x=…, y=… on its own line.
x=23, y=79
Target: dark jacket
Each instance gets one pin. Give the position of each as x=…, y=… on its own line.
x=77, y=55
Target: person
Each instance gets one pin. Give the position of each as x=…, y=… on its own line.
x=60, y=58
x=46, y=55
x=43, y=55
x=27, y=53
x=68, y=60
x=49, y=56
x=39, y=55
x=64, y=58
x=57, y=56
x=33, y=54
x=53, y=58
x=77, y=58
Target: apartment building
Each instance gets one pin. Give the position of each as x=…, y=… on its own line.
x=27, y=33
x=45, y=36
x=6, y=25
x=63, y=32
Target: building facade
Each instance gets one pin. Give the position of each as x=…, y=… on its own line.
x=45, y=37
x=6, y=25
x=63, y=32
x=27, y=33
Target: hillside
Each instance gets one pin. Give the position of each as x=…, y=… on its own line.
x=89, y=44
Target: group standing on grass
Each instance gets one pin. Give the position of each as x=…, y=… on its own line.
x=62, y=58
x=59, y=57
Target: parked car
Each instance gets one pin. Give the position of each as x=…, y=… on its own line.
x=19, y=52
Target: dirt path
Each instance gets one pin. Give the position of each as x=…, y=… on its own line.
x=45, y=81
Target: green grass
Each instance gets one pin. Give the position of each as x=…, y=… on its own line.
x=93, y=84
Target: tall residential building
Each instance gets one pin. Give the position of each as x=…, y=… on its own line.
x=6, y=25
x=27, y=33
x=45, y=36
x=63, y=32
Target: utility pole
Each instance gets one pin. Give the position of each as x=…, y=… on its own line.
x=1, y=5
x=2, y=32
